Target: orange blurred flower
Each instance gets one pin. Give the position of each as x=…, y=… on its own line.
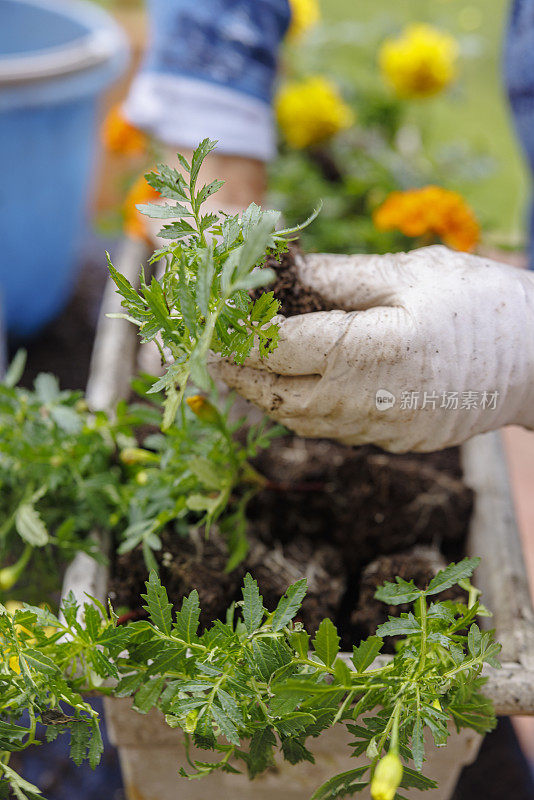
x=119, y=136
x=430, y=212
x=134, y=221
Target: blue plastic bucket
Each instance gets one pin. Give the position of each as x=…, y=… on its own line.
x=56, y=58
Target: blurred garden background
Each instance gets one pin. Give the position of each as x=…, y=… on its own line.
x=459, y=136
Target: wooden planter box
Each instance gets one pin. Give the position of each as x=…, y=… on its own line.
x=151, y=753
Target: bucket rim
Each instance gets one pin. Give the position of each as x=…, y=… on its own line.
x=101, y=44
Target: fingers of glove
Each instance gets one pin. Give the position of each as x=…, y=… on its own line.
x=277, y=395
x=354, y=282
x=305, y=343
x=332, y=341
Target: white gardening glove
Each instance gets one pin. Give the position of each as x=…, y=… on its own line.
x=430, y=348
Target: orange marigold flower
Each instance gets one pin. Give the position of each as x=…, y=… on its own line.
x=119, y=136
x=134, y=221
x=430, y=212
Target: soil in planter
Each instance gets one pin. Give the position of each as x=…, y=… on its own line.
x=330, y=511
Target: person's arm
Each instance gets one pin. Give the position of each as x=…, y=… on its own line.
x=208, y=73
x=426, y=349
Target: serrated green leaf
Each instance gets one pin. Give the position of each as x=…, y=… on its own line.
x=147, y=695
x=157, y=604
x=252, y=604
x=80, y=734
x=397, y=626
x=294, y=723
x=343, y=785
x=260, y=751
x=128, y=685
x=40, y=662
x=30, y=526
x=474, y=638
x=22, y=789
x=92, y=620
x=395, y=594
x=188, y=617
x=230, y=707
x=451, y=575
x=326, y=642
x=411, y=778
x=163, y=211
x=300, y=640
x=225, y=724
x=96, y=746
x=204, y=149
x=418, y=743
x=289, y=605
x=270, y=655
x=294, y=751
x=365, y=653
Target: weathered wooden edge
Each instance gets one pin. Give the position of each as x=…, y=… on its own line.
x=115, y=346
x=495, y=537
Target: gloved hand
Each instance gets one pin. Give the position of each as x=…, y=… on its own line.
x=427, y=349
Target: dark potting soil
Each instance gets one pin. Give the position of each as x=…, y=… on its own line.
x=348, y=506
x=294, y=298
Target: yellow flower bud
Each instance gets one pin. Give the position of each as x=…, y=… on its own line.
x=10, y=575
x=387, y=777
x=203, y=409
x=136, y=455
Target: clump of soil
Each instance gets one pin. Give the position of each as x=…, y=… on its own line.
x=364, y=501
x=294, y=298
x=419, y=565
x=185, y=564
x=278, y=566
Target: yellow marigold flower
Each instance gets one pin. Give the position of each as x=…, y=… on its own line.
x=431, y=212
x=305, y=14
x=134, y=222
x=311, y=111
x=387, y=777
x=420, y=62
x=119, y=136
